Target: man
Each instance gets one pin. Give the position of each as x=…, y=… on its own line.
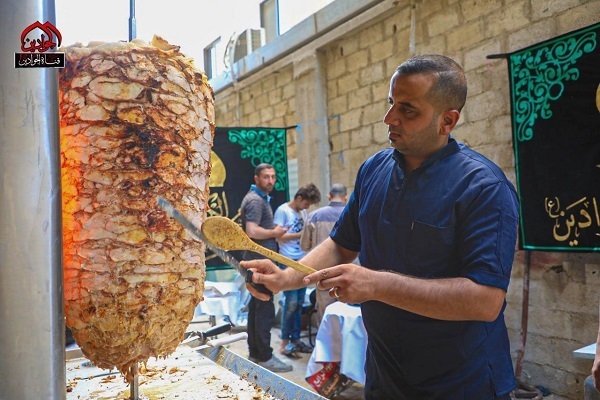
x=257, y=221
x=596, y=366
x=435, y=224
x=291, y=215
x=319, y=225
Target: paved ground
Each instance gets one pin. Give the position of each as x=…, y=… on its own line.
x=354, y=392
x=297, y=375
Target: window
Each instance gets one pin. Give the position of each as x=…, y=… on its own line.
x=211, y=66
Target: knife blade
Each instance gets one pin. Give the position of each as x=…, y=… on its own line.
x=222, y=254
x=223, y=341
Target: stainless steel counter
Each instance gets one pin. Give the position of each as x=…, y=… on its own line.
x=215, y=373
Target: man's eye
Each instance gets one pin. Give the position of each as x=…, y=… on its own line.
x=407, y=111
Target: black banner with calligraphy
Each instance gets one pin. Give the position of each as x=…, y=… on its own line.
x=555, y=99
x=235, y=154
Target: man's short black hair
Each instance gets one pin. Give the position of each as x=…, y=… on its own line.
x=338, y=190
x=309, y=192
x=449, y=92
x=260, y=167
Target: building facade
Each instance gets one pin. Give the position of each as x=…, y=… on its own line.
x=329, y=77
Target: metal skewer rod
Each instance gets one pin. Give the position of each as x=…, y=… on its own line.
x=133, y=387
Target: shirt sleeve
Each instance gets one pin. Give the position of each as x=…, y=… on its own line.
x=488, y=235
x=253, y=211
x=280, y=217
x=306, y=239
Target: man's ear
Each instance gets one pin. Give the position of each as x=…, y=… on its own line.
x=449, y=120
x=255, y=180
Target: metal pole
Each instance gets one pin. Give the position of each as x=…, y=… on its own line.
x=524, y=315
x=32, y=332
x=134, y=385
x=132, y=26
x=323, y=144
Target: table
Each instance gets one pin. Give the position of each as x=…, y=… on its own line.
x=587, y=352
x=341, y=338
x=225, y=299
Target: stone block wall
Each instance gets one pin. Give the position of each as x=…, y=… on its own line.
x=564, y=288
x=268, y=101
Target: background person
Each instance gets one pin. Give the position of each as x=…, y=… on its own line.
x=318, y=227
x=257, y=221
x=435, y=224
x=596, y=366
x=292, y=216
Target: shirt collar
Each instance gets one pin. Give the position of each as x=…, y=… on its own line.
x=451, y=148
x=336, y=204
x=261, y=193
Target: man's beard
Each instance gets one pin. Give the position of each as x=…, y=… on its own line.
x=415, y=145
x=266, y=189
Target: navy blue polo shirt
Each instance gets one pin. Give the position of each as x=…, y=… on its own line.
x=454, y=216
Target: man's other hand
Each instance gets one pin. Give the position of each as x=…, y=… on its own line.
x=279, y=231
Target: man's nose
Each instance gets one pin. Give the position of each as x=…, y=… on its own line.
x=390, y=118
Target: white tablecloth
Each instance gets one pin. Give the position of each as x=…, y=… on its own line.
x=341, y=338
x=225, y=298
x=588, y=352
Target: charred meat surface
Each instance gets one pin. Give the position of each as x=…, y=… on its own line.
x=136, y=122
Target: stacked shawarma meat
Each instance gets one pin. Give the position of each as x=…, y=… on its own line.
x=136, y=122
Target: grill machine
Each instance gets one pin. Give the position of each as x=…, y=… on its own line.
x=32, y=357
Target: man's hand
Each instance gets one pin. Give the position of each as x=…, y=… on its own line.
x=349, y=283
x=449, y=299
x=267, y=273
x=288, y=237
x=255, y=231
x=278, y=231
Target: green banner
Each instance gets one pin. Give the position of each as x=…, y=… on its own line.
x=235, y=154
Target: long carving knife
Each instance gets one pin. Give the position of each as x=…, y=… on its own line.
x=222, y=254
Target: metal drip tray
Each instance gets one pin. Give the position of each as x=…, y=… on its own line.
x=214, y=373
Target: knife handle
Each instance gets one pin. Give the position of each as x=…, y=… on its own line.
x=258, y=286
x=215, y=330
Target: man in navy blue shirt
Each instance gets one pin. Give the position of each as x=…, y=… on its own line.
x=434, y=224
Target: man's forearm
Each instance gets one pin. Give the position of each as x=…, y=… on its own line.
x=596, y=365
x=597, y=358
x=325, y=255
x=257, y=232
x=453, y=299
x=286, y=237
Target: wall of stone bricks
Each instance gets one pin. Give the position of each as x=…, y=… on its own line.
x=564, y=288
x=268, y=102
